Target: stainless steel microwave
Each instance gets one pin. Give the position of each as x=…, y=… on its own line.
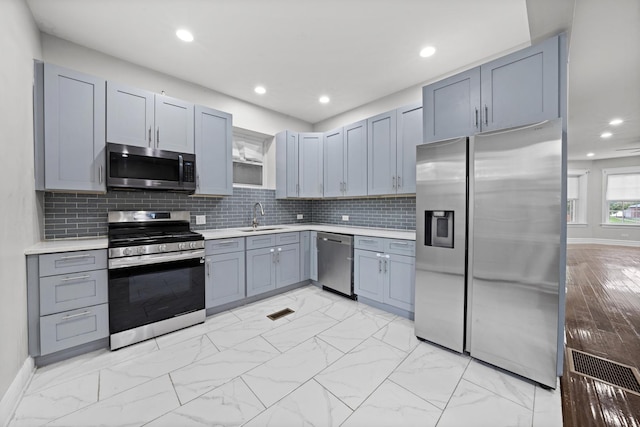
x=142, y=168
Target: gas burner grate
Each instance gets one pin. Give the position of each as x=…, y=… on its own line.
x=607, y=371
x=278, y=314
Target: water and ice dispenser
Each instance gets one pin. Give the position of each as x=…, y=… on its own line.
x=438, y=229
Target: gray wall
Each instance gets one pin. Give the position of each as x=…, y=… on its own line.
x=19, y=226
x=594, y=228
x=388, y=212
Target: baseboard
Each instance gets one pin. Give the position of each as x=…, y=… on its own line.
x=16, y=389
x=592, y=241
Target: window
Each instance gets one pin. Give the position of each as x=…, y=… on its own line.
x=622, y=196
x=577, y=196
x=248, y=157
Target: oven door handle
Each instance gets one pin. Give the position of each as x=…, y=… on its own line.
x=135, y=261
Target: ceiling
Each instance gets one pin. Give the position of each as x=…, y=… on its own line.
x=356, y=51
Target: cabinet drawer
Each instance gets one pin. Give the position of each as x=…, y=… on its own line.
x=72, y=328
x=400, y=247
x=369, y=243
x=224, y=246
x=71, y=291
x=72, y=262
x=287, y=238
x=262, y=241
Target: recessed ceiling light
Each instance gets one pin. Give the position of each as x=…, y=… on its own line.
x=615, y=122
x=260, y=90
x=590, y=154
x=184, y=35
x=324, y=99
x=606, y=135
x=427, y=51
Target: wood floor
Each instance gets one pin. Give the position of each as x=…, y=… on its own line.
x=602, y=318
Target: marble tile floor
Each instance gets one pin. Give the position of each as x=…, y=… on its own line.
x=334, y=362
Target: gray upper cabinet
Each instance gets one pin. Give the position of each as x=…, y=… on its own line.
x=174, y=124
x=130, y=115
x=409, y=129
x=452, y=106
x=144, y=119
x=287, y=165
x=334, y=161
x=517, y=89
x=345, y=161
x=213, y=148
x=381, y=153
x=70, y=143
x=521, y=88
x=310, y=164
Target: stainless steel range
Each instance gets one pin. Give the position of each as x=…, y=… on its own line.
x=156, y=275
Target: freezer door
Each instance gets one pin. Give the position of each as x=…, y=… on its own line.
x=516, y=249
x=441, y=197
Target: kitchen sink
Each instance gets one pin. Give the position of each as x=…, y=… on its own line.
x=248, y=230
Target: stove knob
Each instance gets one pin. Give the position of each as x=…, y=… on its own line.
x=140, y=250
x=181, y=246
x=192, y=245
x=127, y=251
x=162, y=248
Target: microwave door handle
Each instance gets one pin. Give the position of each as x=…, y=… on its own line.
x=180, y=168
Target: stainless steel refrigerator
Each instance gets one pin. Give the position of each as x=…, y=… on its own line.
x=490, y=233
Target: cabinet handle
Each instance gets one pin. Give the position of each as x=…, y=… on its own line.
x=379, y=266
x=486, y=115
x=385, y=265
x=71, y=316
x=209, y=269
x=399, y=181
x=399, y=244
x=345, y=187
x=226, y=242
x=100, y=174
x=74, y=256
x=393, y=182
x=68, y=279
x=476, y=122
x=367, y=241
x=158, y=137
x=198, y=180
x=149, y=136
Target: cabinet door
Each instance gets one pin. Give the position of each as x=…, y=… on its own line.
x=355, y=159
x=409, y=135
x=130, y=115
x=305, y=255
x=174, y=124
x=225, y=279
x=287, y=265
x=333, y=151
x=451, y=107
x=381, y=154
x=522, y=87
x=399, y=282
x=261, y=276
x=292, y=160
x=311, y=159
x=368, y=277
x=74, y=129
x=313, y=265
x=213, y=143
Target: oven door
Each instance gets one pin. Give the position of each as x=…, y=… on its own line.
x=143, y=294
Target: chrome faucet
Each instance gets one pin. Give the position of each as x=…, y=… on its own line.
x=254, y=224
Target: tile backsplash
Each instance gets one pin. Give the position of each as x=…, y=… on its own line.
x=85, y=215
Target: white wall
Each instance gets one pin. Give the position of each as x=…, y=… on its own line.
x=19, y=226
x=245, y=114
x=594, y=229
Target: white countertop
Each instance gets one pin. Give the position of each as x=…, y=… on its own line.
x=82, y=244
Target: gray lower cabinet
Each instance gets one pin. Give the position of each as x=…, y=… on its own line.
x=213, y=147
x=272, y=267
x=305, y=255
x=313, y=262
x=225, y=271
x=67, y=300
x=386, y=275
x=69, y=119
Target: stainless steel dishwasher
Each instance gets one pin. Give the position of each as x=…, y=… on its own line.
x=335, y=262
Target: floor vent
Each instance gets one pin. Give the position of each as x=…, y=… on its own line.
x=598, y=368
x=279, y=314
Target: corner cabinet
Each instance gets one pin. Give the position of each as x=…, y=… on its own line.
x=213, y=148
x=517, y=89
x=144, y=119
x=69, y=117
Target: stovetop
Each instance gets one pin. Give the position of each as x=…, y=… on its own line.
x=140, y=237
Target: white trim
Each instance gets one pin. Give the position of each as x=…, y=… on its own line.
x=591, y=241
x=618, y=225
x=17, y=388
x=577, y=224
